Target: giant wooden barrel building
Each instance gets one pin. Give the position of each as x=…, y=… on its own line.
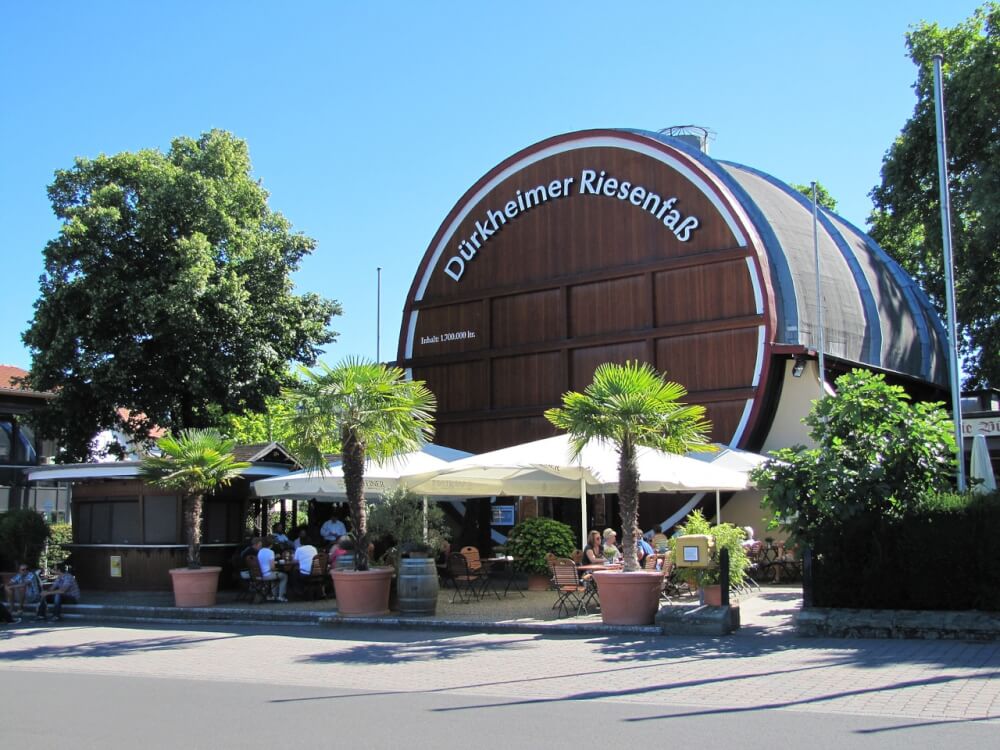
x=608, y=245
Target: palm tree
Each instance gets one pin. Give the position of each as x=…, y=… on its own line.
x=631, y=405
x=372, y=411
x=194, y=463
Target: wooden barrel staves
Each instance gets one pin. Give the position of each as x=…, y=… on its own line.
x=417, y=586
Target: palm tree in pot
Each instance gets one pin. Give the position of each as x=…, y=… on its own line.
x=194, y=463
x=631, y=405
x=372, y=411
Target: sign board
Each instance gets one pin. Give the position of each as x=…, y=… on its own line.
x=695, y=551
x=503, y=515
x=116, y=566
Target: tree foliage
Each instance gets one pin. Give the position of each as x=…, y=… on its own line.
x=194, y=464
x=167, y=292
x=632, y=405
x=876, y=453
x=907, y=216
x=371, y=410
x=23, y=533
x=823, y=196
x=400, y=518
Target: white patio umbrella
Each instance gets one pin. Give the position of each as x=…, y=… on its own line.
x=548, y=468
x=381, y=477
x=730, y=458
x=981, y=467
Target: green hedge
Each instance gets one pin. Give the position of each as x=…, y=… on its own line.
x=944, y=557
x=60, y=533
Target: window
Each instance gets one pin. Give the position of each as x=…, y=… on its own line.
x=107, y=522
x=161, y=523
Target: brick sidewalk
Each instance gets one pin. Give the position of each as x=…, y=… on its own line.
x=759, y=669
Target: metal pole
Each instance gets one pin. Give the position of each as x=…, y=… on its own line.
x=724, y=575
x=378, y=315
x=949, y=272
x=819, y=296
x=718, y=508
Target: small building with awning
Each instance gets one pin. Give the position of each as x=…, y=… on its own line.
x=128, y=534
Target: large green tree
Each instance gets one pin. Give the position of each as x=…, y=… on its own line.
x=823, y=197
x=629, y=406
x=907, y=216
x=167, y=293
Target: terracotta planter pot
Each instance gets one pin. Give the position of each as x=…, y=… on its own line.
x=538, y=582
x=362, y=592
x=711, y=595
x=628, y=598
x=195, y=588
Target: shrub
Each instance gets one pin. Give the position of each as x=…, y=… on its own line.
x=534, y=538
x=23, y=534
x=876, y=454
x=726, y=536
x=60, y=534
x=399, y=519
x=944, y=556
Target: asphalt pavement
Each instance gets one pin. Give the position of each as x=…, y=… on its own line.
x=69, y=685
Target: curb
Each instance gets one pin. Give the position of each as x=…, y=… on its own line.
x=817, y=622
x=240, y=616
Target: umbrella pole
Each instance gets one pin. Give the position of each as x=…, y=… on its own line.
x=718, y=509
x=425, y=519
x=583, y=513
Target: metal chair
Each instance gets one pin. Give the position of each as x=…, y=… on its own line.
x=469, y=584
x=570, y=589
x=266, y=588
x=314, y=585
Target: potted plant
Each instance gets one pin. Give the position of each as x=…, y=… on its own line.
x=373, y=412
x=531, y=543
x=610, y=553
x=193, y=463
x=417, y=531
x=725, y=536
x=631, y=405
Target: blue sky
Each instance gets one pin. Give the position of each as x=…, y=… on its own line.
x=368, y=121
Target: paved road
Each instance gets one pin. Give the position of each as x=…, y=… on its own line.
x=119, y=687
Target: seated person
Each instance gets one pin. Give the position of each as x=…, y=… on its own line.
x=333, y=529
x=301, y=538
x=594, y=553
x=281, y=540
x=642, y=548
x=64, y=590
x=749, y=541
x=24, y=588
x=344, y=546
x=304, y=555
x=268, y=569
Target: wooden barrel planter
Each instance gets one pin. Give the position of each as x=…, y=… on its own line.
x=417, y=586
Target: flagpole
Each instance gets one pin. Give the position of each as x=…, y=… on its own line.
x=949, y=272
x=378, y=315
x=819, y=296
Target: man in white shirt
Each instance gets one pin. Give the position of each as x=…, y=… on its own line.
x=333, y=529
x=268, y=570
x=304, y=555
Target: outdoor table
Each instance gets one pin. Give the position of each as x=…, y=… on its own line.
x=508, y=563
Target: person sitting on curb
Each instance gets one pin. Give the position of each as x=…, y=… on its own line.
x=268, y=569
x=23, y=588
x=65, y=590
